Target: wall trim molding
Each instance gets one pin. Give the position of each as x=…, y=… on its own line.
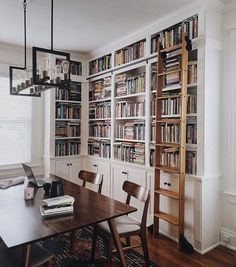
x=232, y=235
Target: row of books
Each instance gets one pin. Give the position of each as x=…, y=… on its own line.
x=130, y=109
x=191, y=161
x=67, y=148
x=100, y=64
x=100, y=129
x=171, y=106
x=130, y=152
x=100, y=148
x=101, y=89
x=172, y=36
x=100, y=110
x=67, y=111
x=129, y=53
x=75, y=68
x=71, y=94
x=192, y=73
x=170, y=157
x=131, y=130
x=127, y=85
x=67, y=129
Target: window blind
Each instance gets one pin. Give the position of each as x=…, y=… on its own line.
x=15, y=126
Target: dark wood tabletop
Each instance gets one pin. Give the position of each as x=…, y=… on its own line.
x=21, y=222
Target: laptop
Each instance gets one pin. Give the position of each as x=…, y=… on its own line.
x=32, y=180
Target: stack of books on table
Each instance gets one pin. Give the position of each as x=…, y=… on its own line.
x=57, y=206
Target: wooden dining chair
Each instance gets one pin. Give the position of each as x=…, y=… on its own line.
x=92, y=178
x=88, y=178
x=11, y=257
x=127, y=226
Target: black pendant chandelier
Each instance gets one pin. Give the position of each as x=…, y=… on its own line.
x=50, y=68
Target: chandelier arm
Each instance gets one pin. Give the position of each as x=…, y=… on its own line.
x=51, y=24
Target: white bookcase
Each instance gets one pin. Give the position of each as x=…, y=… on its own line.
x=203, y=188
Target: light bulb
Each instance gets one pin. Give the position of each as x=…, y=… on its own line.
x=57, y=71
x=65, y=68
x=44, y=63
x=28, y=77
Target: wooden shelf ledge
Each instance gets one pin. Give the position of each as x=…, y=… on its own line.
x=167, y=217
x=167, y=169
x=173, y=121
x=172, y=48
x=167, y=193
x=175, y=145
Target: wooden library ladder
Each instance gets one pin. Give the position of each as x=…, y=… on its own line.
x=180, y=146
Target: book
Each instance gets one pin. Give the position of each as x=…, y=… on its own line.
x=57, y=201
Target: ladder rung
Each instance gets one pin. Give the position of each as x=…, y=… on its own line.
x=167, y=193
x=168, y=145
x=174, y=121
x=167, y=217
x=169, y=96
x=167, y=169
x=168, y=72
x=172, y=48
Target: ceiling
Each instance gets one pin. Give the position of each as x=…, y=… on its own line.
x=80, y=25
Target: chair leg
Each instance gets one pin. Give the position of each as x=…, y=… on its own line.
x=127, y=240
x=94, y=242
x=110, y=250
x=144, y=243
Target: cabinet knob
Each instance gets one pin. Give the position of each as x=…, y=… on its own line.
x=70, y=164
x=165, y=183
x=125, y=173
x=95, y=165
x=67, y=164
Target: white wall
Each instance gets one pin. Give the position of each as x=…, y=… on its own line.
x=229, y=125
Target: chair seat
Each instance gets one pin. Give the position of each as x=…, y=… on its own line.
x=124, y=224
x=13, y=256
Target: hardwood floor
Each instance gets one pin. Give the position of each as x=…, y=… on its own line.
x=165, y=253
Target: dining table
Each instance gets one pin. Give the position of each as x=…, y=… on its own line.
x=21, y=223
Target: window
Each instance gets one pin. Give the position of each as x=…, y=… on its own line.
x=15, y=126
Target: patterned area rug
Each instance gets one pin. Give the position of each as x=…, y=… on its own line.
x=60, y=246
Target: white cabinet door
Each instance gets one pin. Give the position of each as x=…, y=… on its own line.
x=138, y=176
x=62, y=169
x=102, y=167
x=119, y=174
x=75, y=168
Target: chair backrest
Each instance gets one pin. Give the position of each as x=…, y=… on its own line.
x=139, y=192
x=91, y=177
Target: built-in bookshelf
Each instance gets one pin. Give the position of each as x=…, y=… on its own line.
x=170, y=110
x=130, y=53
x=130, y=93
x=172, y=36
x=67, y=120
x=100, y=64
x=128, y=103
x=100, y=117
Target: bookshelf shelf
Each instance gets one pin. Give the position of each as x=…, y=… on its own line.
x=100, y=100
x=130, y=53
x=130, y=118
x=100, y=119
x=67, y=138
x=68, y=101
x=130, y=140
x=131, y=96
x=74, y=120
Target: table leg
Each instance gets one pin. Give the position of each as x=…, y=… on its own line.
x=117, y=242
x=28, y=250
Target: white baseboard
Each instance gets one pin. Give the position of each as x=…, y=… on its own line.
x=232, y=235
